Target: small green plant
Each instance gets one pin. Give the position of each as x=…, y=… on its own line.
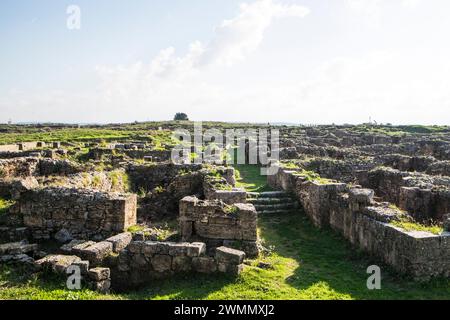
x=114, y=179
x=158, y=189
x=231, y=209
x=194, y=156
x=86, y=181
x=96, y=181
x=119, y=178
x=103, y=144
x=5, y=205
x=142, y=192
x=100, y=167
x=313, y=177
x=2, y=173
x=136, y=228
x=289, y=165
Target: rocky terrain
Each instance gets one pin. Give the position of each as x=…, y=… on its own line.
x=112, y=204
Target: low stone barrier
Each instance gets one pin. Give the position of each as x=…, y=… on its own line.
x=143, y=261
x=365, y=223
x=83, y=213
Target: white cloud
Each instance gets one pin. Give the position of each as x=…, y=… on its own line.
x=371, y=10
x=411, y=3
x=397, y=85
x=170, y=81
x=240, y=36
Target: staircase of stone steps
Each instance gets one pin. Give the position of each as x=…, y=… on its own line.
x=272, y=202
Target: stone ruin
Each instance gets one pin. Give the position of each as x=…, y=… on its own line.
x=356, y=183
x=218, y=224
x=92, y=223
x=365, y=185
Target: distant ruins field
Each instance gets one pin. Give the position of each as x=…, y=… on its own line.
x=108, y=202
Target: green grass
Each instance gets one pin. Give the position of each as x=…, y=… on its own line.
x=4, y=205
x=314, y=177
x=306, y=263
x=158, y=139
x=249, y=177
x=414, y=226
x=407, y=223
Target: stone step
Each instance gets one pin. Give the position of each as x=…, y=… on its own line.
x=281, y=211
x=261, y=201
x=268, y=194
x=275, y=206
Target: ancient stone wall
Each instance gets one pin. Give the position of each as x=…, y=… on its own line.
x=218, y=224
x=425, y=197
x=32, y=166
x=365, y=223
x=164, y=186
x=84, y=213
x=49, y=167
x=148, y=177
x=142, y=261
x=18, y=167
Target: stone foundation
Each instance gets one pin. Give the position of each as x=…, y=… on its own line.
x=83, y=213
x=217, y=224
x=141, y=262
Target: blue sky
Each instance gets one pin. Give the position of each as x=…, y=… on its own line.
x=328, y=61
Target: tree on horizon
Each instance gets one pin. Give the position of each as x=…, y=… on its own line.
x=180, y=116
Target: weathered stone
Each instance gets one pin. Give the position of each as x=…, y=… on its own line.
x=161, y=262
x=446, y=225
x=138, y=262
x=99, y=274
x=67, y=248
x=90, y=213
x=135, y=246
x=63, y=236
x=181, y=264
x=102, y=286
x=120, y=241
x=83, y=265
x=204, y=264
x=79, y=246
x=229, y=256
x=196, y=249
x=17, y=248
x=57, y=263
x=361, y=196
x=96, y=253
x=232, y=269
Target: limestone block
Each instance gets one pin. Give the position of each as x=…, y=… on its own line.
x=181, y=264
x=120, y=241
x=204, y=264
x=102, y=286
x=229, y=255
x=232, y=269
x=161, y=262
x=99, y=274
x=196, y=249
x=17, y=248
x=58, y=263
x=83, y=265
x=96, y=253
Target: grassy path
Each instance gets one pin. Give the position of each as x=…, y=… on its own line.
x=305, y=263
